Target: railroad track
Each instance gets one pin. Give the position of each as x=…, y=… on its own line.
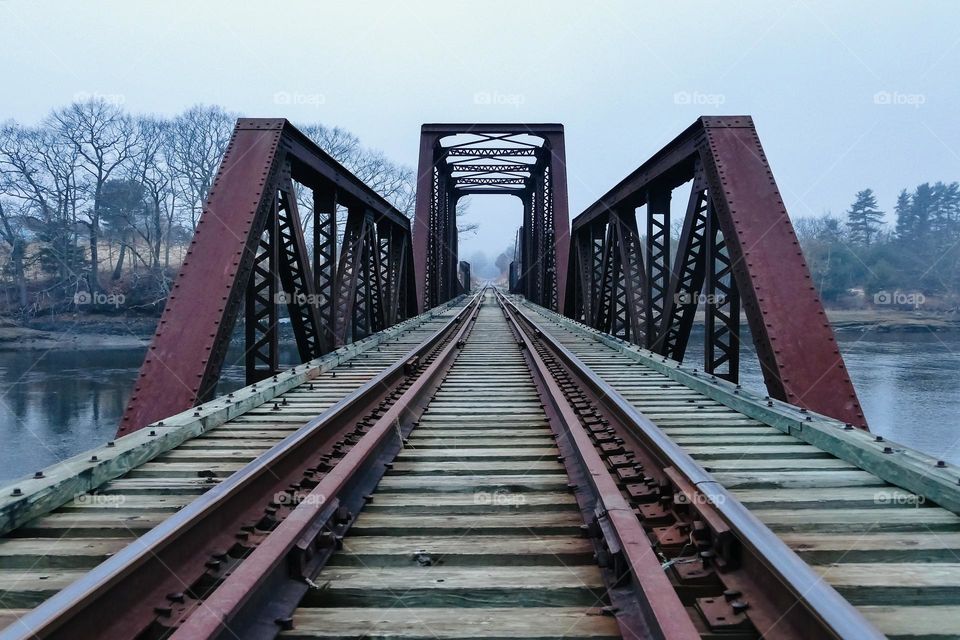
x=490, y=484
x=473, y=525
x=864, y=517
x=45, y=554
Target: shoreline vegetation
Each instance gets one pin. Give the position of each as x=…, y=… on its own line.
x=75, y=331
x=98, y=206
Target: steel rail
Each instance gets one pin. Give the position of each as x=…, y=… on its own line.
x=118, y=598
x=809, y=594
x=661, y=612
x=295, y=549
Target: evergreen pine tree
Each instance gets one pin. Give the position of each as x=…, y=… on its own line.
x=864, y=219
x=922, y=203
x=906, y=222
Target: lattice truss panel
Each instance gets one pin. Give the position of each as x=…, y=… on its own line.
x=736, y=254
x=250, y=253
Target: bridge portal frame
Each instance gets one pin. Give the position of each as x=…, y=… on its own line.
x=534, y=173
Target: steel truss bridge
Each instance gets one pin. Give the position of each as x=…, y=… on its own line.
x=447, y=460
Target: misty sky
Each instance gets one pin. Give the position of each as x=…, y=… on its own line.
x=846, y=95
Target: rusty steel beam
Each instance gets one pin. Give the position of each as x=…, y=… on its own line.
x=750, y=261
x=542, y=269
x=249, y=252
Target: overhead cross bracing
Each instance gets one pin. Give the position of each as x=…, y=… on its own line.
x=523, y=160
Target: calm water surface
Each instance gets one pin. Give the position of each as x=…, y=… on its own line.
x=57, y=404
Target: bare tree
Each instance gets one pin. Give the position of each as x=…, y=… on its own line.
x=157, y=177
x=394, y=182
x=91, y=174
x=199, y=137
x=105, y=139
x=37, y=174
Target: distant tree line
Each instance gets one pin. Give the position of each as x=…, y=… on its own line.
x=859, y=255
x=94, y=199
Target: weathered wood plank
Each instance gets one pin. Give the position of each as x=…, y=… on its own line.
x=512, y=483
x=459, y=443
x=91, y=525
x=473, y=467
x=66, y=553
x=453, y=453
x=895, y=584
x=864, y=520
x=525, y=623
x=843, y=497
x=517, y=522
x=460, y=503
x=27, y=589
x=915, y=623
x=443, y=586
x=796, y=479
x=409, y=551
x=871, y=546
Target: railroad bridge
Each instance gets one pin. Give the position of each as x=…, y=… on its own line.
x=540, y=459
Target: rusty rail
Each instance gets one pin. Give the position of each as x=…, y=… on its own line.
x=797, y=603
x=162, y=577
x=648, y=605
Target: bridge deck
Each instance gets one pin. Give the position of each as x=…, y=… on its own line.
x=491, y=520
x=891, y=552
x=863, y=514
x=43, y=555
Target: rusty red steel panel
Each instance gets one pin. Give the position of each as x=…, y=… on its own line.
x=755, y=240
x=264, y=158
x=799, y=355
x=175, y=373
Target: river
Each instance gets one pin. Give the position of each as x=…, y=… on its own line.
x=59, y=403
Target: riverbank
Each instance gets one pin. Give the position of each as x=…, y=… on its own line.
x=69, y=332
x=892, y=321
x=80, y=331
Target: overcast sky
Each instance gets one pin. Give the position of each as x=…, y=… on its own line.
x=846, y=95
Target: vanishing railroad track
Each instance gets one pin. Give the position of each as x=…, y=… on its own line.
x=48, y=553
x=493, y=472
